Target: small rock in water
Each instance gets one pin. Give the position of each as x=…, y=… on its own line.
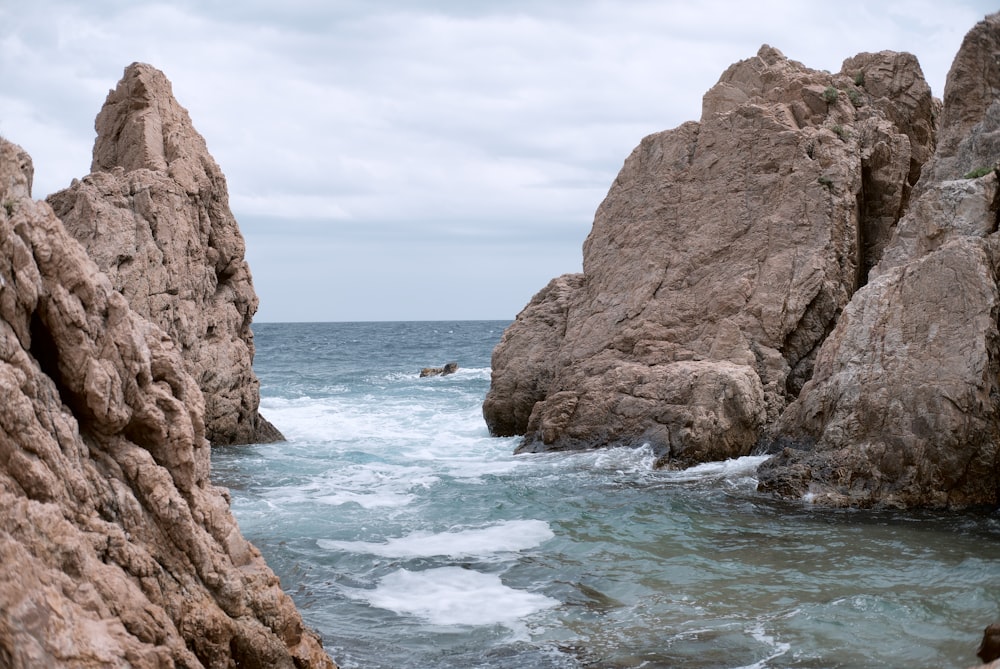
x=449, y=368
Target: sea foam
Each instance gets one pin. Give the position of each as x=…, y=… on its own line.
x=506, y=537
x=451, y=596
x=734, y=468
x=371, y=485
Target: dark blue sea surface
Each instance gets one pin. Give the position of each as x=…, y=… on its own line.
x=408, y=537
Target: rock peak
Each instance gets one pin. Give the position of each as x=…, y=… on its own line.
x=969, y=135
x=16, y=173
x=154, y=214
x=769, y=54
x=142, y=126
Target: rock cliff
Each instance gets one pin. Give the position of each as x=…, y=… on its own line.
x=115, y=548
x=903, y=407
x=154, y=214
x=811, y=268
x=718, y=263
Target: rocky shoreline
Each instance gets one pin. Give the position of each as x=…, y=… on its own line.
x=116, y=549
x=808, y=270
x=812, y=268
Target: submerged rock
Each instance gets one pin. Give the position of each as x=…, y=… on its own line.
x=154, y=215
x=718, y=263
x=115, y=548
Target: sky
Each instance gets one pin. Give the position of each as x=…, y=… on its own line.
x=422, y=159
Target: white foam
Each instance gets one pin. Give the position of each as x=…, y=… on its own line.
x=473, y=373
x=505, y=537
x=725, y=469
x=370, y=485
x=623, y=459
x=373, y=417
x=450, y=596
x=779, y=648
x=465, y=456
x=366, y=500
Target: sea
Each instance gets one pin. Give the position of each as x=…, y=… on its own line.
x=408, y=537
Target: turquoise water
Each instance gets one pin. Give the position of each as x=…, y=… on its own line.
x=410, y=538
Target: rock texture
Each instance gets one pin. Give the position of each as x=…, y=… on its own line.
x=154, y=214
x=903, y=408
x=718, y=263
x=115, y=548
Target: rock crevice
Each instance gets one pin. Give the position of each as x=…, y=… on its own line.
x=902, y=409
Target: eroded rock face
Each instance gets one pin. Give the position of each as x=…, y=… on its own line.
x=115, y=548
x=154, y=214
x=718, y=263
x=903, y=408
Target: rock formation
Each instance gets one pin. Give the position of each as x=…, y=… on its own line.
x=805, y=270
x=718, y=263
x=154, y=214
x=115, y=548
x=449, y=368
x=903, y=408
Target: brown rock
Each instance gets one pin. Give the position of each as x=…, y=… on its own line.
x=893, y=82
x=449, y=368
x=717, y=264
x=154, y=214
x=903, y=408
x=524, y=363
x=969, y=135
x=115, y=548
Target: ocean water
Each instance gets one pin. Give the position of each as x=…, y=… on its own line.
x=408, y=537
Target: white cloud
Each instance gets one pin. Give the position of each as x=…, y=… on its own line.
x=440, y=122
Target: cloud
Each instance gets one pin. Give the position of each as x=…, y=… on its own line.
x=454, y=123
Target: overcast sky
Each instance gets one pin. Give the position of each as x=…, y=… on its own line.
x=422, y=160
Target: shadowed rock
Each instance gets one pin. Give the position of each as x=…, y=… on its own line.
x=989, y=648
